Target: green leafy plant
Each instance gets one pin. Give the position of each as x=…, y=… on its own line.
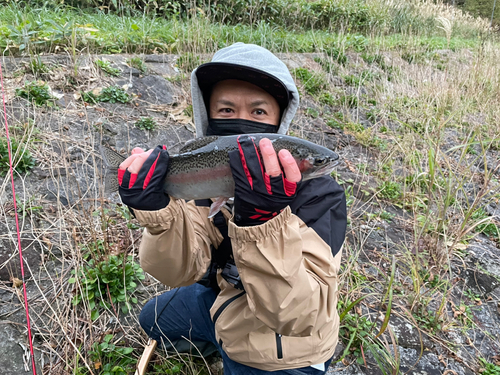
x=390, y=190
x=106, y=67
x=489, y=368
x=107, y=282
x=146, y=123
x=486, y=226
x=37, y=93
x=111, y=94
x=136, y=62
x=110, y=358
x=22, y=161
x=327, y=98
x=312, y=112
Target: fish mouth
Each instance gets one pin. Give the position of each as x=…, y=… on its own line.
x=322, y=171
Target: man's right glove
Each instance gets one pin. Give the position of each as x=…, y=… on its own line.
x=258, y=197
x=144, y=190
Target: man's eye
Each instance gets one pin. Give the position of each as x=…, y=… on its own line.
x=259, y=112
x=226, y=110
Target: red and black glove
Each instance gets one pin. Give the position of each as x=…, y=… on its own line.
x=257, y=196
x=144, y=190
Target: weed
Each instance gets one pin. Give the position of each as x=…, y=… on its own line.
x=146, y=123
x=355, y=330
x=370, y=59
x=37, y=67
x=356, y=80
x=350, y=101
x=111, y=94
x=354, y=127
x=106, y=67
x=486, y=225
x=390, y=190
x=37, y=93
x=110, y=359
x=188, y=111
x=136, y=62
x=337, y=55
x=22, y=161
x=26, y=207
x=313, y=83
x=188, y=62
x=489, y=368
x=328, y=66
x=327, y=98
x=387, y=216
x=312, y=112
x=368, y=139
x=334, y=123
x=107, y=282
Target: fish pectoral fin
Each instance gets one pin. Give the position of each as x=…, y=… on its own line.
x=216, y=206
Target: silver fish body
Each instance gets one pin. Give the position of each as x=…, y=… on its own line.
x=201, y=170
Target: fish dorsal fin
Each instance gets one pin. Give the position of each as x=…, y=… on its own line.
x=112, y=159
x=195, y=144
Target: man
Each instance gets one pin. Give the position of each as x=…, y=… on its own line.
x=258, y=282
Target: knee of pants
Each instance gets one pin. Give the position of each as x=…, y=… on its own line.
x=147, y=317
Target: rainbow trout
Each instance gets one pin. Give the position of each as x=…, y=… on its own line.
x=201, y=169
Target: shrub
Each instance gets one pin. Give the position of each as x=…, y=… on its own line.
x=22, y=163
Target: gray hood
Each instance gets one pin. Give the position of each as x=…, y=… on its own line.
x=252, y=56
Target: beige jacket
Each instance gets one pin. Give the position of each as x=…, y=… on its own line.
x=287, y=318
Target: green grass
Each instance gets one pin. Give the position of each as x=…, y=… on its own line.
x=28, y=29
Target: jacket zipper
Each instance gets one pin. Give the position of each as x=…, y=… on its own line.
x=224, y=305
x=279, y=346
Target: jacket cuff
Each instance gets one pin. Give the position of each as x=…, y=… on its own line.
x=254, y=233
x=160, y=219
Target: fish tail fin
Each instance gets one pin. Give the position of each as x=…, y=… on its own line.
x=111, y=158
x=112, y=161
x=111, y=180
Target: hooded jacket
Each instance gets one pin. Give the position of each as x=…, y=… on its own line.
x=252, y=56
x=286, y=317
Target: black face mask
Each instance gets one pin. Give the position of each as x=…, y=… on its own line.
x=238, y=126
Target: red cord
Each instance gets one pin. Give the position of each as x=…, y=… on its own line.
x=17, y=224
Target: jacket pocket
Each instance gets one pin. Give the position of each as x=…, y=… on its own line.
x=224, y=305
x=279, y=346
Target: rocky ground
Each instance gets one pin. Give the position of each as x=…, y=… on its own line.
x=60, y=195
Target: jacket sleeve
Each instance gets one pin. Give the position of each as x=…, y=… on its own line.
x=175, y=246
x=287, y=265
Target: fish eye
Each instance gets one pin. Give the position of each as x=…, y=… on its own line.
x=319, y=161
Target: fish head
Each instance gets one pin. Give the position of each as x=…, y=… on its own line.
x=315, y=161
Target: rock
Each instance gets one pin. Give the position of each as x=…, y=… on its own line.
x=9, y=254
x=13, y=349
x=153, y=89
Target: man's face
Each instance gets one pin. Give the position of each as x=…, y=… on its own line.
x=235, y=99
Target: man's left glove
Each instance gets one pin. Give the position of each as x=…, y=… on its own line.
x=144, y=190
x=258, y=197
